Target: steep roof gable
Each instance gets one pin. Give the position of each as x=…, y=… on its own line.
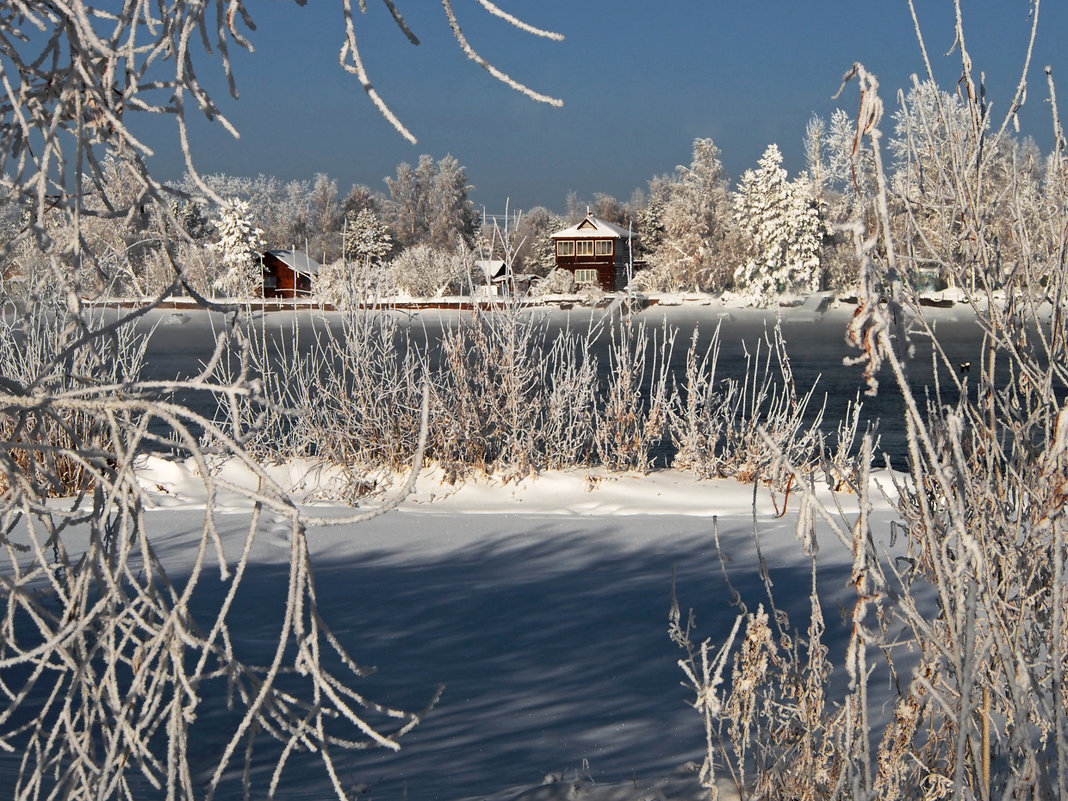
x=593, y=227
x=296, y=260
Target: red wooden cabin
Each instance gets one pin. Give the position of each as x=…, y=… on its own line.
x=288, y=273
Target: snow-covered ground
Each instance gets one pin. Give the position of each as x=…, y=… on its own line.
x=542, y=608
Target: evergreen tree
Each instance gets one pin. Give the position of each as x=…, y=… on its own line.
x=651, y=216
x=193, y=220
x=783, y=228
x=366, y=238
x=240, y=243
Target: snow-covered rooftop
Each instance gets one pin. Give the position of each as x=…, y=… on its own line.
x=297, y=260
x=492, y=269
x=593, y=228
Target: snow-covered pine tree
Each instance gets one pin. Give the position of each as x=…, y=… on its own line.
x=366, y=237
x=782, y=224
x=360, y=274
x=240, y=243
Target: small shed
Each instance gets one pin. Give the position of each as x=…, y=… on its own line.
x=491, y=276
x=596, y=252
x=288, y=273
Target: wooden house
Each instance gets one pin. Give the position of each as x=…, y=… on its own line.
x=595, y=252
x=288, y=273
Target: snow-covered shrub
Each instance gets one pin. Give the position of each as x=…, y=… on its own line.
x=360, y=394
x=490, y=398
x=780, y=219
x=335, y=283
x=509, y=395
x=423, y=271
x=659, y=276
x=348, y=285
x=743, y=427
x=633, y=410
x=45, y=442
x=240, y=244
x=558, y=282
x=568, y=423
x=769, y=723
x=590, y=295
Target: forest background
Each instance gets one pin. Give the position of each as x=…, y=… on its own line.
x=767, y=235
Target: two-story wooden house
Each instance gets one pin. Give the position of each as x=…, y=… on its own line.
x=595, y=252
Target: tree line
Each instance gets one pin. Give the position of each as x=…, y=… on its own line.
x=768, y=235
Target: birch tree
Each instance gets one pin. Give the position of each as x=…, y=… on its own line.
x=696, y=232
x=430, y=205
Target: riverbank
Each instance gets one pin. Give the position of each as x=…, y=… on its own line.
x=812, y=306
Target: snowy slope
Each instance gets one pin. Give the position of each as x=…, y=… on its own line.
x=540, y=606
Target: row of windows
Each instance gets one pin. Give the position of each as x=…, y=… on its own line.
x=584, y=247
x=585, y=276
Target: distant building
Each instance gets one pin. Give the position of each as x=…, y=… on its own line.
x=494, y=275
x=288, y=273
x=595, y=252
x=497, y=279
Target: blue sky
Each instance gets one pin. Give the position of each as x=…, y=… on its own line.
x=640, y=81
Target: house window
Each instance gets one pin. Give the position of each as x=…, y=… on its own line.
x=585, y=276
x=565, y=247
x=584, y=247
x=604, y=247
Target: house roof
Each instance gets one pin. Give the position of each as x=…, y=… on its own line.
x=296, y=260
x=493, y=269
x=593, y=228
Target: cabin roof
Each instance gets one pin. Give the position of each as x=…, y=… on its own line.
x=493, y=269
x=296, y=260
x=593, y=228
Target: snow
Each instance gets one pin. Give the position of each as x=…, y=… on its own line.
x=591, y=227
x=541, y=605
